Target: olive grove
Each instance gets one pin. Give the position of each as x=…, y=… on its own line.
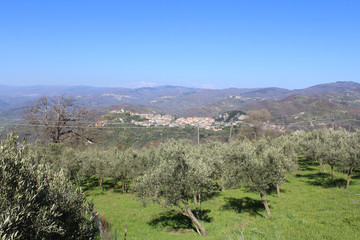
x=176, y=175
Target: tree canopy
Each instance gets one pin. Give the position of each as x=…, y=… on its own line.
x=172, y=182
x=38, y=203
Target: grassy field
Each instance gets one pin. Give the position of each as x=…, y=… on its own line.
x=312, y=206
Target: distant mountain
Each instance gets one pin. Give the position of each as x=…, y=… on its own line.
x=268, y=93
x=328, y=88
x=307, y=111
x=183, y=101
x=342, y=93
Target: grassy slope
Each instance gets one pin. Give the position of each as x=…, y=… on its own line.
x=311, y=207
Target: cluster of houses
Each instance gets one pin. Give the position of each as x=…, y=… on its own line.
x=149, y=120
x=167, y=120
x=153, y=120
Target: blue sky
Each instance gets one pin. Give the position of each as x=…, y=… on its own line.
x=214, y=44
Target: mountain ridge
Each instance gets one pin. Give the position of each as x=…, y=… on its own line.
x=182, y=101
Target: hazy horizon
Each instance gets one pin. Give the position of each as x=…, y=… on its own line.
x=166, y=85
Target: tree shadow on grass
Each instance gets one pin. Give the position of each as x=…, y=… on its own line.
x=306, y=164
x=117, y=187
x=273, y=191
x=210, y=195
x=270, y=192
x=323, y=180
x=244, y=204
x=93, y=182
x=90, y=183
x=356, y=174
x=329, y=183
x=314, y=176
x=108, y=183
x=176, y=221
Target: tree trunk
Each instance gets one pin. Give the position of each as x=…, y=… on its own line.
x=222, y=185
x=262, y=195
x=197, y=199
x=101, y=184
x=198, y=226
x=57, y=129
x=349, y=177
x=278, y=190
x=332, y=171
x=322, y=165
x=123, y=183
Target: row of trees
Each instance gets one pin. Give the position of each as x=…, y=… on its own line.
x=180, y=172
x=338, y=148
x=179, y=175
x=183, y=172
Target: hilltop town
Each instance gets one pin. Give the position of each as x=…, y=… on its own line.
x=151, y=120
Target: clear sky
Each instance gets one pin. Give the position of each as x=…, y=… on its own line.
x=194, y=43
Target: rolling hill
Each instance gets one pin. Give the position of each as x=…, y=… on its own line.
x=315, y=101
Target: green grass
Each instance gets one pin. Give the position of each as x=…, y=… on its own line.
x=312, y=206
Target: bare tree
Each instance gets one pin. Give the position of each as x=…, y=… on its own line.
x=256, y=122
x=59, y=120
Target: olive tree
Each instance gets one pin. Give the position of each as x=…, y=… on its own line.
x=172, y=182
x=337, y=142
x=287, y=161
x=353, y=160
x=87, y=167
x=38, y=203
x=95, y=161
x=239, y=152
x=57, y=156
x=215, y=154
x=314, y=146
x=101, y=160
x=125, y=165
x=259, y=165
x=206, y=157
